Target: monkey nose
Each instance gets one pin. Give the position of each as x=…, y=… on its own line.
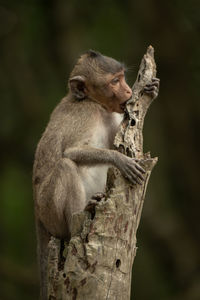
x=129, y=92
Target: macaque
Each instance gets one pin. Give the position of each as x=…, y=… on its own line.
x=76, y=149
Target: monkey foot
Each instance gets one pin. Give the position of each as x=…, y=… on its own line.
x=91, y=205
x=98, y=196
x=93, y=202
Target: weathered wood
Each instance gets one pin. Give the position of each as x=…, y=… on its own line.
x=97, y=263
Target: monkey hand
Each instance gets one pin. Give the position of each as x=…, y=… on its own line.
x=152, y=88
x=130, y=169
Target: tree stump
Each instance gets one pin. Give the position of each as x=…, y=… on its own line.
x=97, y=262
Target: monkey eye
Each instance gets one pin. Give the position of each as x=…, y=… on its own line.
x=115, y=80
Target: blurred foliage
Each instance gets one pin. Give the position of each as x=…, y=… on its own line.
x=40, y=41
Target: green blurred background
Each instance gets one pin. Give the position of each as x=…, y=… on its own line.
x=39, y=43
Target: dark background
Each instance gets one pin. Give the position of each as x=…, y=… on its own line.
x=39, y=43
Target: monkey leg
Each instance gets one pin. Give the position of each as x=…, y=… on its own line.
x=61, y=194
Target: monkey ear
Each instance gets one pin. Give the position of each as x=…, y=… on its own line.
x=78, y=87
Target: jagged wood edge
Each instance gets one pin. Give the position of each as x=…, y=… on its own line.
x=81, y=271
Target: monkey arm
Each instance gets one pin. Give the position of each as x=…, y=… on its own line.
x=129, y=168
x=91, y=156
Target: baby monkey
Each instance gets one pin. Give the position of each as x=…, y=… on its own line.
x=76, y=149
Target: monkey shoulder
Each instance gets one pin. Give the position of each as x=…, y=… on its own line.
x=75, y=122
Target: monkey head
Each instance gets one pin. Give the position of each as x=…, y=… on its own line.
x=100, y=79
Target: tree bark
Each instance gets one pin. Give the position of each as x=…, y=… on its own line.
x=97, y=262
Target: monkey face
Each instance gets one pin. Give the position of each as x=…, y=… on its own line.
x=121, y=92
x=111, y=91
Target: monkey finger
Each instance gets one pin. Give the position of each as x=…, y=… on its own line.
x=139, y=175
x=154, y=83
x=150, y=88
x=136, y=178
x=140, y=163
x=130, y=178
x=142, y=170
x=90, y=206
x=132, y=181
x=98, y=196
x=152, y=92
x=136, y=174
x=155, y=79
x=139, y=181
